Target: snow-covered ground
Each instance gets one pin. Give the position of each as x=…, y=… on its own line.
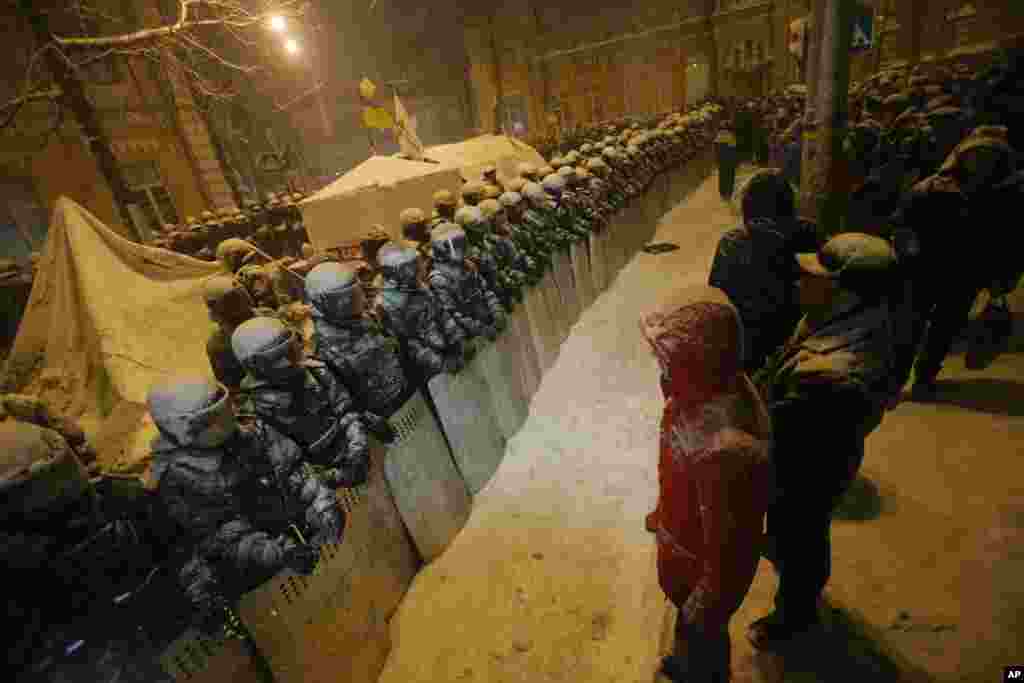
x=553, y=578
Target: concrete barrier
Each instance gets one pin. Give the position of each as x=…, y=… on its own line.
x=463, y=403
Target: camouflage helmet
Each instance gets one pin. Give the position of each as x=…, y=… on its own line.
x=508, y=199
x=234, y=253
x=526, y=170
x=596, y=164
x=534, y=192
x=411, y=216
x=554, y=184
x=263, y=345
x=444, y=198
x=39, y=473
x=227, y=299
x=334, y=290
x=472, y=192
x=569, y=174
x=489, y=208
x=467, y=216
x=586, y=148
x=192, y=411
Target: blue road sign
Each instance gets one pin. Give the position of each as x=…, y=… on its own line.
x=863, y=29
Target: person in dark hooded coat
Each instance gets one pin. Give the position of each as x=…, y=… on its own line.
x=950, y=271
x=754, y=264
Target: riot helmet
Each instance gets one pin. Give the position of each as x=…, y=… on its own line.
x=398, y=263
x=192, y=411
x=267, y=348
x=334, y=290
x=448, y=243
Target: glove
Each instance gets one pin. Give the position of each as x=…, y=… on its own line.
x=380, y=427
x=453, y=364
x=301, y=557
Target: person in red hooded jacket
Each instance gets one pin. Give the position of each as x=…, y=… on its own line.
x=714, y=476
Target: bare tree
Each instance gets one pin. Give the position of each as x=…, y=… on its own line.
x=208, y=46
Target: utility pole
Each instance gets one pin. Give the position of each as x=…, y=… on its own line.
x=824, y=191
x=74, y=98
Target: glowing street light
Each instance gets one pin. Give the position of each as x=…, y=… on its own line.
x=277, y=23
x=291, y=46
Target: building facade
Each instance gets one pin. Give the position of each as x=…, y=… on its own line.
x=546, y=66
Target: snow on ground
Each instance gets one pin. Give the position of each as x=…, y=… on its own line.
x=553, y=578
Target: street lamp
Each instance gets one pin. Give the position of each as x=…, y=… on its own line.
x=277, y=23
x=291, y=46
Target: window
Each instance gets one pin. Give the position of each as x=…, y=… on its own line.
x=151, y=204
x=962, y=20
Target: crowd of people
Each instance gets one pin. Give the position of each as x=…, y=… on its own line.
x=776, y=372
x=313, y=352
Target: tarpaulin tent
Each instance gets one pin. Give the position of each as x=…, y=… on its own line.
x=106, y=318
x=470, y=156
x=373, y=193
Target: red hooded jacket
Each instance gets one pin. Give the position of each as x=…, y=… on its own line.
x=714, y=469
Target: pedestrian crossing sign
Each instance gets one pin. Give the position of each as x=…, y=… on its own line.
x=862, y=30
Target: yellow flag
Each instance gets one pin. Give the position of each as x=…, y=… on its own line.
x=377, y=117
x=367, y=88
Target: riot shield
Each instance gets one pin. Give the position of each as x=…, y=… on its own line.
x=464, y=406
x=562, y=273
x=429, y=492
x=580, y=255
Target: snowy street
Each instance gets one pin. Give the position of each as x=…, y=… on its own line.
x=553, y=578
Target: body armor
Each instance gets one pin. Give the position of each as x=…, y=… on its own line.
x=302, y=399
x=233, y=492
x=460, y=289
x=354, y=345
x=431, y=341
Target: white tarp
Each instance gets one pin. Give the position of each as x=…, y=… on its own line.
x=106, y=319
x=500, y=151
x=373, y=193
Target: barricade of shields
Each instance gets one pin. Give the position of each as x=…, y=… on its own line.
x=451, y=438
